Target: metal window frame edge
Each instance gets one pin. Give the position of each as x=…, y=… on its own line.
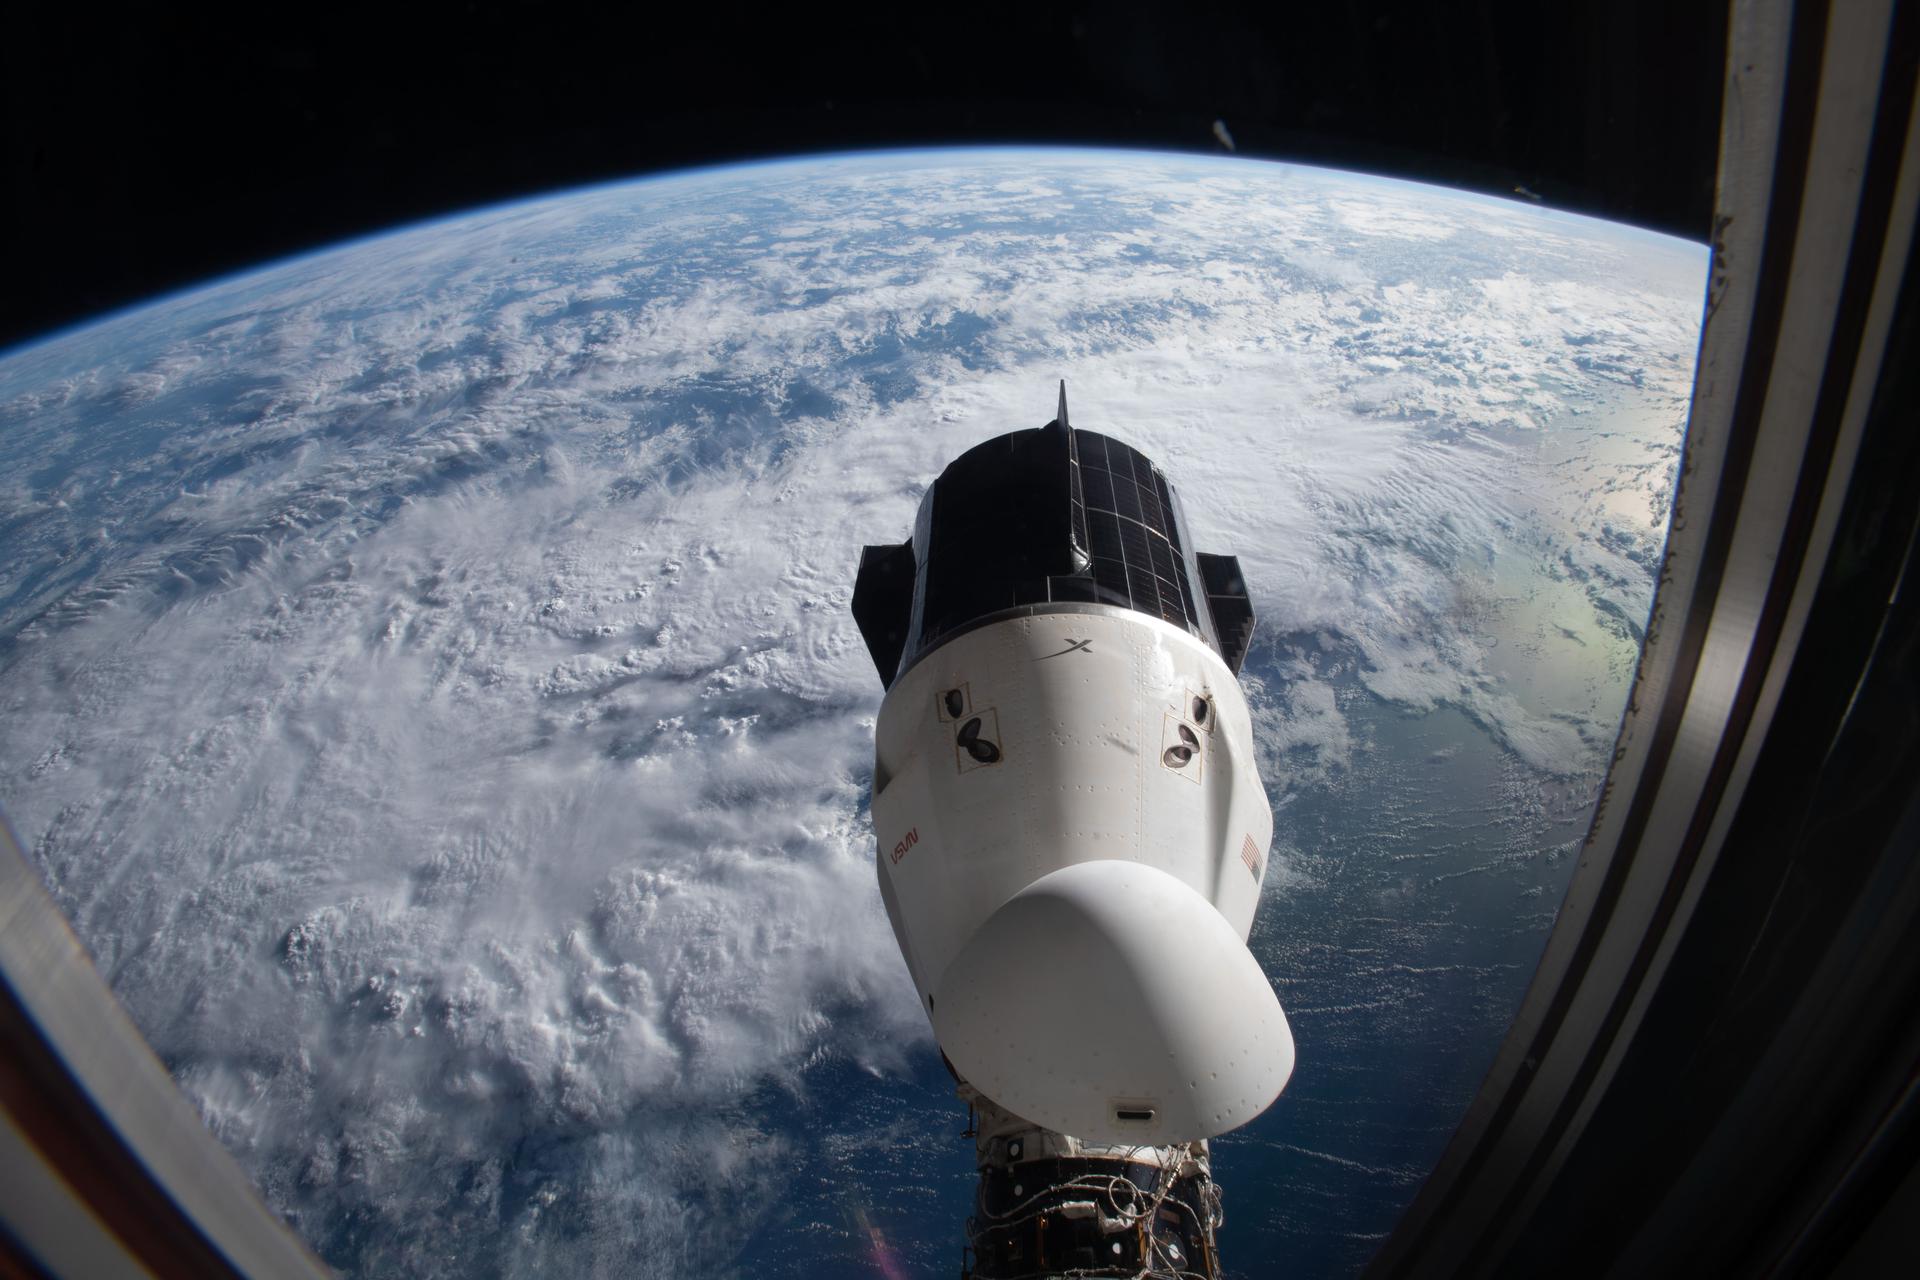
x=157, y=1194
x=1645, y=860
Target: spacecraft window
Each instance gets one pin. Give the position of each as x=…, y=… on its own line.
x=1367, y=724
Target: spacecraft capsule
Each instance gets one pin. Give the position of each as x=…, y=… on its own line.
x=1071, y=830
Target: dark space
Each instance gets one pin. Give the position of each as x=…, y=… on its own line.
x=149, y=150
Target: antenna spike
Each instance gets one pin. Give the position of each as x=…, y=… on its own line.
x=1061, y=417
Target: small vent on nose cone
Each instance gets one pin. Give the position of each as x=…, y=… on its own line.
x=1202, y=708
x=956, y=703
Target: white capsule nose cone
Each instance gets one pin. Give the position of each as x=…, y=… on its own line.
x=1109, y=1001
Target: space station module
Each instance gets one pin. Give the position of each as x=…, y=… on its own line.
x=1072, y=833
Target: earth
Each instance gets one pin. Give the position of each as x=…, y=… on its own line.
x=427, y=681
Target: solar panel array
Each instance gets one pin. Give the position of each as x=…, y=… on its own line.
x=1133, y=532
x=1036, y=518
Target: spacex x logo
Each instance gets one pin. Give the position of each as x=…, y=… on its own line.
x=1073, y=646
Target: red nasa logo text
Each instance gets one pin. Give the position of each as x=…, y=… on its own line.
x=907, y=842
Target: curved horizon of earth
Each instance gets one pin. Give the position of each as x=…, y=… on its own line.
x=427, y=681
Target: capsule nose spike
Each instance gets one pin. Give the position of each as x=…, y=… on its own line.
x=1061, y=417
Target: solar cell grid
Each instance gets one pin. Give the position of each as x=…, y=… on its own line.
x=1163, y=561
x=1140, y=585
x=996, y=535
x=1150, y=511
x=1092, y=448
x=1169, y=600
x=1098, y=486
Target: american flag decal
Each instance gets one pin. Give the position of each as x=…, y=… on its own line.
x=1250, y=856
